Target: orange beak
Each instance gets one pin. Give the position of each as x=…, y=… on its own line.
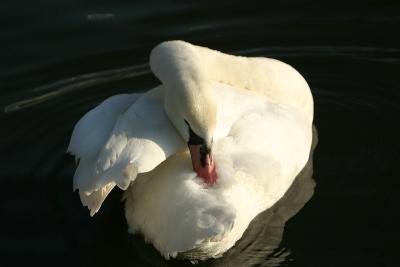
x=203, y=163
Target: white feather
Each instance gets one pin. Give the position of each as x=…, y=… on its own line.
x=92, y=130
x=262, y=140
x=265, y=148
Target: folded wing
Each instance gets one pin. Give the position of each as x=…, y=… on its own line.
x=116, y=141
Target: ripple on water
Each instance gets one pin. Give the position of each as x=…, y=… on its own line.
x=350, y=61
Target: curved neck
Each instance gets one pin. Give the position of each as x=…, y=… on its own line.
x=188, y=92
x=179, y=68
x=273, y=79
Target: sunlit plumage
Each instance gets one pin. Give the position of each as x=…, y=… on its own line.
x=262, y=140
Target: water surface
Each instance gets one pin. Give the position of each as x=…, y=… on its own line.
x=61, y=59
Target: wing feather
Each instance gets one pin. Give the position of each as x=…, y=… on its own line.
x=133, y=141
x=92, y=130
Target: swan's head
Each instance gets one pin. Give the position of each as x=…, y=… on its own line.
x=189, y=101
x=194, y=115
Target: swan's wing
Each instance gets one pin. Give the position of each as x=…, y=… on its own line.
x=93, y=129
x=89, y=136
x=141, y=139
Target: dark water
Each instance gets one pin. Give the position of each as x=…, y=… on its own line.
x=61, y=58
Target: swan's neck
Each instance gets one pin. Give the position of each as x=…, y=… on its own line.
x=188, y=94
x=180, y=69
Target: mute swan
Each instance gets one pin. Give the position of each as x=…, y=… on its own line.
x=219, y=141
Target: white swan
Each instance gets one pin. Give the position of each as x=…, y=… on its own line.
x=247, y=123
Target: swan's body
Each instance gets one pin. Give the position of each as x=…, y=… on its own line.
x=258, y=112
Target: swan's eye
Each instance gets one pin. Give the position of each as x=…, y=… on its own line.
x=194, y=139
